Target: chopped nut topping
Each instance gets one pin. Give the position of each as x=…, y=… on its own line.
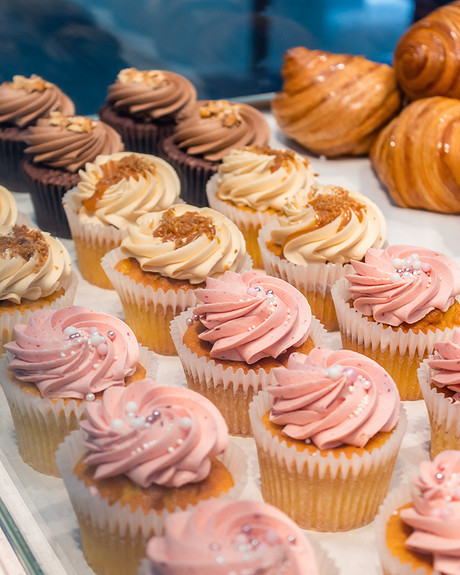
x=184, y=229
x=32, y=84
x=154, y=78
x=78, y=124
x=338, y=203
x=227, y=113
x=283, y=158
x=25, y=243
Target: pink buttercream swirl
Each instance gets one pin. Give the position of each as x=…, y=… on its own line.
x=219, y=537
x=403, y=283
x=435, y=516
x=72, y=352
x=251, y=316
x=334, y=398
x=446, y=360
x=154, y=434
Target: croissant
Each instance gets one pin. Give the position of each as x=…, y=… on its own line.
x=334, y=104
x=427, y=57
x=417, y=155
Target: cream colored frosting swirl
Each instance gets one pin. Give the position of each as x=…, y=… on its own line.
x=328, y=224
x=68, y=142
x=216, y=126
x=403, y=283
x=446, y=363
x=73, y=352
x=117, y=189
x=334, y=398
x=252, y=315
x=435, y=516
x=222, y=537
x=185, y=242
x=33, y=264
x=152, y=94
x=154, y=434
x=8, y=210
x=24, y=100
x=263, y=178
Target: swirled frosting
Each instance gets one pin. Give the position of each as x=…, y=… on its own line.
x=185, y=243
x=403, y=283
x=8, y=209
x=68, y=142
x=334, y=398
x=250, y=316
x=151, y=94
x=24, y=100
x=216, y=126
x=446, y=363
x=33, y=264
x=328, y=224
x=262, y=178
x=73, y=352
x=435, y=515
x=222, y=537
x=154, y=434
x=117, y=189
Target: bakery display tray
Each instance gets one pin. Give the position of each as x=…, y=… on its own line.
x=35, y=511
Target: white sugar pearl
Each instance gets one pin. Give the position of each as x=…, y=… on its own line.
x=116, y=424
x=137, y=422
x=417, y=265
x=90, y=397
x=185, y=423
x=398, y=263
x=395, y=278
x=335, y=371
x=131, y=407
x=69, y=330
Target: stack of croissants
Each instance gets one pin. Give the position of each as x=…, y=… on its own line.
x=406, y=117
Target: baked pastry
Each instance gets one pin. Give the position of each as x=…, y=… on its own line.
x=327, y=438
x=334, y=104
x=427, y=56
x=417, y=155
x=113, y=192
x=144, y=105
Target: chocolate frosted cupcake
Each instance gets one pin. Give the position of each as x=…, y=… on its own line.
x=202, y=139
x=22, y=102
x=143, y=106
x=58, y=147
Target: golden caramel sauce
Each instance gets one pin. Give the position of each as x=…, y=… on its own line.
x=183, y=229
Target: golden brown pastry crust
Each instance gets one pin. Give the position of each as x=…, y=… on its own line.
x=417, y=156
x=334, y=104
x=427, y=56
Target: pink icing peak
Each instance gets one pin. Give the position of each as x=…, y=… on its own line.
x=251, y=316
x=403, y=283
x=446, y=363
x=154, y=434
x=332, y=398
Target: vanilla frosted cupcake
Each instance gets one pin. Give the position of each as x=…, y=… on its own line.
x=315, y=237
x=161, y=262
x=253, y=184
x=113, y=192
x=327, y=438
x=35, y=273
x=8, y=210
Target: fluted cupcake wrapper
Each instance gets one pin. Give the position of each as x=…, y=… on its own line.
x=41, y=424
x=230, y=390
x=105, y=528
x=332, y=492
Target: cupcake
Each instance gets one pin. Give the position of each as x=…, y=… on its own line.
x=22, y=102
x=221, y=537
x=56, y=364
x=314, y=238
x=144, y=106
x=439, y=378
x=58, y=147
x=35, y=273
x=243, y=327
x=327, y=438
x=397, y=304
x=8, y=210
x=150, y=451
x=417, y=529
x=161, y=262
x=113, y=192
x=253, y=183
x=203, y=138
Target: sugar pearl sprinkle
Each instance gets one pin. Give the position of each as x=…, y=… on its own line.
x=409, y=268
x=91, y=337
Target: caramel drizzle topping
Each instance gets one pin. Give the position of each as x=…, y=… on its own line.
x=184, y=229
x=154, y=78
x=283, y=158
x=32, y=84
x=25, y=243
x=78, y=124
x=131, y=166
x=222, y=110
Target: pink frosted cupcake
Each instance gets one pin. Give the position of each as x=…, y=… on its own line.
x=327, y=438
x=245, y=326
x=58, y=362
